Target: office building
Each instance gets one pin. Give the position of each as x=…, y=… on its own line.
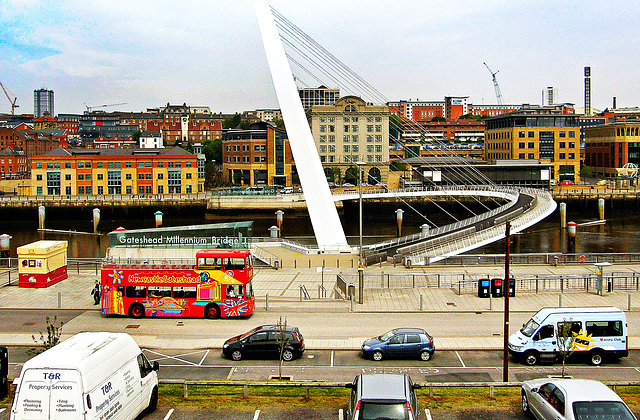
x=43, y=103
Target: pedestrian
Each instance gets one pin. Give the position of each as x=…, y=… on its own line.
x=95, y=292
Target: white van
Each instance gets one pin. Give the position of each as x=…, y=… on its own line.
x=597, y=331
x=92, y=375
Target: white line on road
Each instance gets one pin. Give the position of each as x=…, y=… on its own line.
x=168, y=414
x=203, y=357
x=331, y=358
x=2, y=409
x=427, y=413
x=256, y=415
x=166, y=356
x=340, y=414
x=230, y=373
x=460, y=358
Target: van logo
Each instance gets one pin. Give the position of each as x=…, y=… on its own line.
x=582, y=341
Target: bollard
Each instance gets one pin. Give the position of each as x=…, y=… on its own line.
x=279, y=220
x=306, y=393
x=421, y=303
x=559, y=301
x=490, y=301
x=158, y=216
x=601, y=208
x=266, y=302
x=59, y=300
x=185, y=391
x=245, y=391
x=352, y=303
x=628, y=301
x=430, y=391
x=491, y=391
x=399, y=221
x=563, y=214
x=96, y=219
x=41, y=213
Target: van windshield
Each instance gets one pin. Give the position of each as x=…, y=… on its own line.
x=387, y=411
x=529, y=328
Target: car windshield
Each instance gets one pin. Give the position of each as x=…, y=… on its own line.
x=605, y=410
x=383, y=411
x=248, y=333
x=530, y=327
x=386, y=336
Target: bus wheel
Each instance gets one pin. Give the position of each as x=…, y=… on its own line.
x=211, y=311
x=596, y=358
x=136, y=310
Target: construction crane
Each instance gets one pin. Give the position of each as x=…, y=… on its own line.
x=495, y=84
x=12, y=102
x=90, y=108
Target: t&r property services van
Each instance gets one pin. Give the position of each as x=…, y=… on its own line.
x=595, y=332
x=92, y=375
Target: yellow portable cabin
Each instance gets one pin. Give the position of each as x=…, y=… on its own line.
x=42, y=263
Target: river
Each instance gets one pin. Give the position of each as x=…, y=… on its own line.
x=619, y=234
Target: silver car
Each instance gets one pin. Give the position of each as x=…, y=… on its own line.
x=572, y=399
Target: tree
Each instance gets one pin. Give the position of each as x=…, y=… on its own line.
x=136, y=136
x=396, y=126
x=398, y=166
x=566, y=341
x=438, y=119
x=232, y=122
x=245, y=125
x=278, y=123
x=51, y=339
x=283, y=341
x=212, y=150
x=585, y=172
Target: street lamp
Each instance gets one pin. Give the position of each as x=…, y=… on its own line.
x=360, y=256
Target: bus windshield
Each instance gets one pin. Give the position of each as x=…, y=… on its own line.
x=529, y=328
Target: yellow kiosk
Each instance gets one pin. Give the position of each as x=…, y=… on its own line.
x=42, y=263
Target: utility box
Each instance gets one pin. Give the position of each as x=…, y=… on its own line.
x=484, y=288
x=42, y=263
x=496, y=288
x=512, y=287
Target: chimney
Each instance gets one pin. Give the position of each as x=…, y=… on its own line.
x=614, y=103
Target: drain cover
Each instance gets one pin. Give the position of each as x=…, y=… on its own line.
x=132, y=326
x=180, y=324
x=451, y=304
x=29, y=323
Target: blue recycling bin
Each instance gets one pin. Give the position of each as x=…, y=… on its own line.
x=484, y=288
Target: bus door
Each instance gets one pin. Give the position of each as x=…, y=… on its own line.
x=544, y=340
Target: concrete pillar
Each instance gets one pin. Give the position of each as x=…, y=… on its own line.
x=96, y=219
x=5, y=245
x=41, y=217
x=601, y=208
x=563, y=214
x=424, y=229
x=279, y=220
x=399, y=213
x=572, y=229
x=273, y=231
x=158, y=215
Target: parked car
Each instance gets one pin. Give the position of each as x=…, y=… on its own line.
x=348, y=185
x=566, y=182
x=400, y=343
x=263, y=341
x=382, y=396
x=572, y=399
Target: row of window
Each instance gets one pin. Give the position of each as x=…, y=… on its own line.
x=112, y=165
x=561, y=156
x=353, y=138
x=246, y=159
x=350, y=148
x=349, y=119
x=115, y=190
x=350, y=128
x=111, y=175
x=246, y=148
x=350, y=159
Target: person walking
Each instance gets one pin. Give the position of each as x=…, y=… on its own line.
x=95, y=292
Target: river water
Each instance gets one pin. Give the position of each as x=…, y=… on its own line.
x=619, y=234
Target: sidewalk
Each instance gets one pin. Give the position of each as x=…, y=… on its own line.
x=278, y=292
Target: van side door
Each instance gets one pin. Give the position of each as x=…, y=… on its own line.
x=544, y=340
x=147, y=381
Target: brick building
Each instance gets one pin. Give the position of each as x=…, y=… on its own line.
x=609, y=147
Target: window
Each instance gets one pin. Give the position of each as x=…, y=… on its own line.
x=99, y=165
x=521, y=156
x=604, y=328
x=562, y=156
x=572, y=145
x=572, y=155
x=562, y=145
x=100, y=190
x=530, y=156
x=39, y=189
x=67, y=177
x=87, y=177
x=188, y=175
x=562, y=134
x=110, y=165
x=160, y=189
x=128, y=189
x=100, y=177
x=67, y=165
x=544, y=332
x=80, y=177
x=128, y=164
x=140, y=176
x=140, y=164
x=572, y=134
x=530, y=134
x=521, y=145
x=521, y=134
x=323, y=138
x=38, y=177
x=80, y=165
x=182, y=292
x=346, y=148
x=530, y=145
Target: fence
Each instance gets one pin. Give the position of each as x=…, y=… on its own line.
x=542, y=258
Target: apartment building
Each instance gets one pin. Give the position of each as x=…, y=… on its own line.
x=611, y=148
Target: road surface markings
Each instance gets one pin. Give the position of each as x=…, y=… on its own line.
x=231, y=373
x=169, y=413
x=256, y=415
x=427, y=413
x=177, y=358
x=203, y=357
x=2, y=409
x=340, y=414
x=331, y=358
x=460, y=358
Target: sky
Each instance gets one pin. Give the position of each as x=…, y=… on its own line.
x=209, y=53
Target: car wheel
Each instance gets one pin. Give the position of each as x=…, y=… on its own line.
x=525, y=404
x=596, y=358
x=136, y=310
x=425, y=356
x=236, y=355
x=530, y=358
x=211, y=311
x=377, y=355
x=287, y=355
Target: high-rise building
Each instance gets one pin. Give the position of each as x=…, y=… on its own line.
x=43, y=102
x=321, y=95
x=549, y=96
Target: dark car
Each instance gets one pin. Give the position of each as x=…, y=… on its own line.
x=400, y=343
x=264, y=341
x=382, y=396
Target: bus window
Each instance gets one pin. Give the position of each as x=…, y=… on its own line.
x=180, y=292
x=249, y=289
x=234, y=263
x=234, y=292
x=249, y=261
x=159, y=291
x=136, y=292
x=209, y=263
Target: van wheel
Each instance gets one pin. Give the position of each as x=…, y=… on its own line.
x=236, y=355
x=377, y=355
x=287, y=355
x=153, y=401
x=211, y=311
x=425, y=356
x=136, y=310
x=596, y=358
x=530, y=358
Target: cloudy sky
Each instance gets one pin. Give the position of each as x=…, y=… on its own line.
x=147, y=53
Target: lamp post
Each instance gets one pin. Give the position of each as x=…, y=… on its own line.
x=360, y=256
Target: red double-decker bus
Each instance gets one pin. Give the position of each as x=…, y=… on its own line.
x=218, y=285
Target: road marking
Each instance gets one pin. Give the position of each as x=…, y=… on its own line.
x=230, y=373
x=203, y=357
x=427, y=413
x=331, y=358
x=460, y=358
x=176, y=358
x=2, y=409
x=256, y=415
x=168, y=414
x=340, y=414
